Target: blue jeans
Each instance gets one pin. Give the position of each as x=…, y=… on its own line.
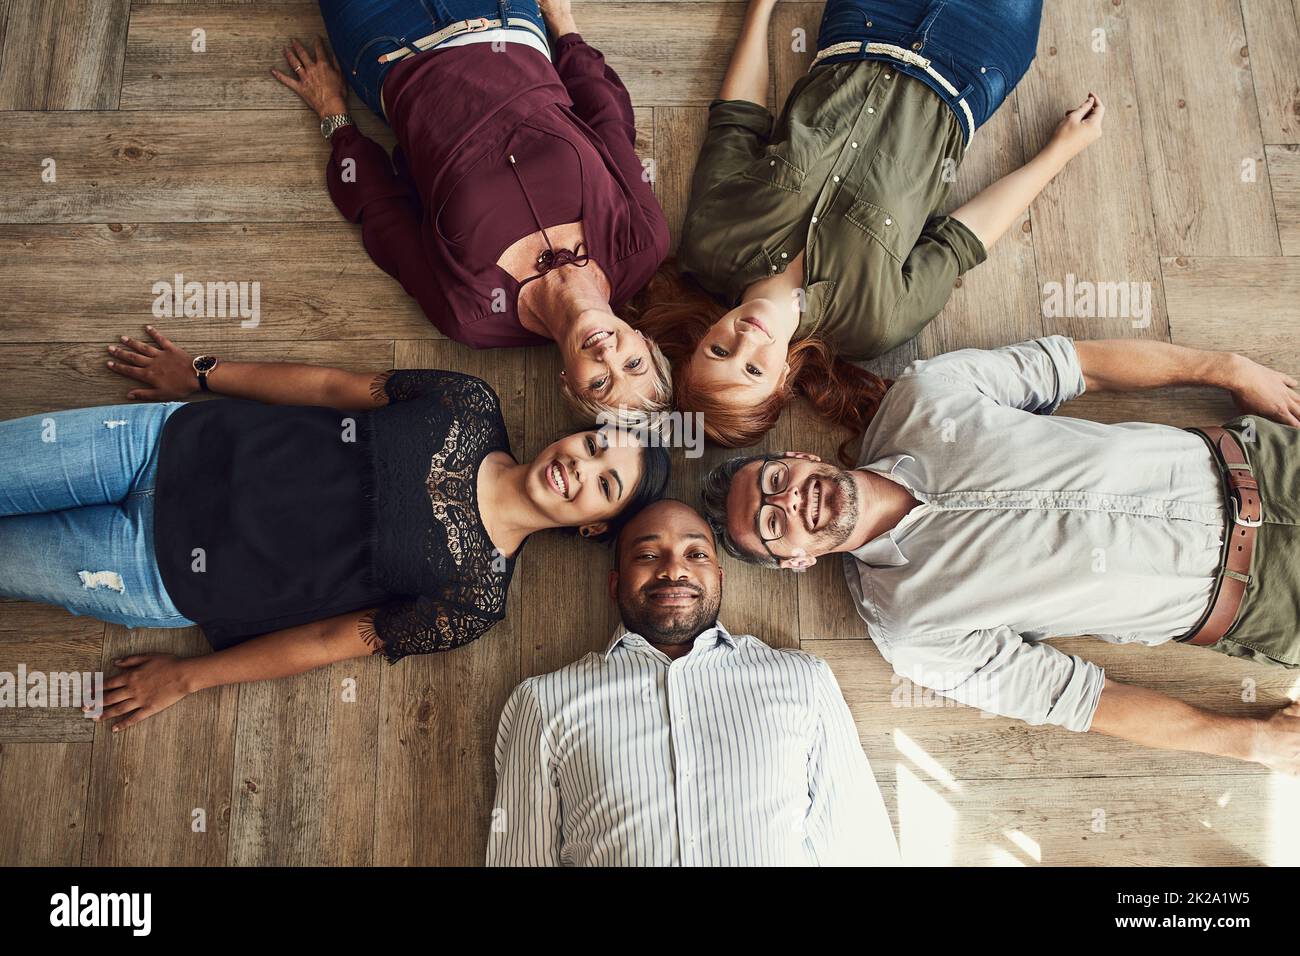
x=362, y=30
x=982, y=47
x=77, y=512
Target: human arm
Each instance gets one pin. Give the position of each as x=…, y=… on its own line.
x=992, y=211
x=165, y=372
x=847, y=823
x=526, y=815
x=1121, y=365
x=747, y=73
x=1153, y=719
x=148, y=684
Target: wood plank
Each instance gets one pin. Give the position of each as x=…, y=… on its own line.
x=50, y=641
x=997, y=302
x=43, y=791
x=1284, y=172
x=679, y=134
x=1093, y=221
x=161, y=166
x=439, y=711
x=43, y=377
x=1162, y=820
x=666, y=53
x=305, y=768
x=75, y=283
x=1199, y=127
x=1240, y=305
x=147, y=782
x=793, y=44
x=63, y=56
x=966, y=744
x=1274, y=36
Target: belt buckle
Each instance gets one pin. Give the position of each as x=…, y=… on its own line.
x=482, y=25
x=1238, y=519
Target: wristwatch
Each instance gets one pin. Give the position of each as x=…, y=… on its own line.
x=203, y=364
x=332, y=124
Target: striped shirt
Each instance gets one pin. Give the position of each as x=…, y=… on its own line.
x=735, y=754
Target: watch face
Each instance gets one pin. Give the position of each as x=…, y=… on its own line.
x=325, y=127
x=205, y=363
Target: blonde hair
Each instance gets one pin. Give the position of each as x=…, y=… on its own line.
x=660, y=399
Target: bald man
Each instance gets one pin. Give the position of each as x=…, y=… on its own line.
x=682, y=744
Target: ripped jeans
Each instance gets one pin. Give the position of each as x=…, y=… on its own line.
x=77, y=511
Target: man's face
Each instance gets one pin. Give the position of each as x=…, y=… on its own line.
x=668, y=585
x=794, y=509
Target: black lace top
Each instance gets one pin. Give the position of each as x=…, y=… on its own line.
x=430, y=544
x=270, y=516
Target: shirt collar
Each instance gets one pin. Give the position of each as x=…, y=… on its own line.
x=710, y=637
x=883, y=551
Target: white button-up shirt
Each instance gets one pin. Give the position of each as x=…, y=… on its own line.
x=734, y=754
x=1029, y=527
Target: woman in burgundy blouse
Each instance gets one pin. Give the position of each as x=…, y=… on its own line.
x=515, y=209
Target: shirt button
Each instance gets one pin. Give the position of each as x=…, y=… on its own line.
x=854, y=145
x=814, y=218
x=772, y=163
x=889, y=76
x=869, y=23
x=888, y=221
x=785, y=255
x=836, y=178
x=871, y=109
x=984, y=69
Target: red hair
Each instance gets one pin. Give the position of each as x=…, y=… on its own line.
x=677, y=313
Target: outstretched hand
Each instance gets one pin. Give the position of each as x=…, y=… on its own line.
x=317, y=80
x=1259, y=390
x=1081, y=126
x=168, y=371
x=147, y=684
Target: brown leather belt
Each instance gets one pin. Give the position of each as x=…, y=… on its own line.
x=1247, y=513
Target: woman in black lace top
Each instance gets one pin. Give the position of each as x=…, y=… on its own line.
x=328, y=515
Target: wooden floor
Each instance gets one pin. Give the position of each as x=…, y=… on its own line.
x=173, y=161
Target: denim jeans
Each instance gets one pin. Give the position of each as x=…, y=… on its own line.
x=361, y=31
x=982, y=47
x=77, y=512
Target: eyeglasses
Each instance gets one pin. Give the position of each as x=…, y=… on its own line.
x=773, y=478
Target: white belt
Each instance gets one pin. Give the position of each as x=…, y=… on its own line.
x=906, y=56
x=477, y=25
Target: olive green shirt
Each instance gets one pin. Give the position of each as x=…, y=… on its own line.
x=852, y=174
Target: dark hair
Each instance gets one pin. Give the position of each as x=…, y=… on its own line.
x=656, y=470
x=618, y=539
x=717, y=485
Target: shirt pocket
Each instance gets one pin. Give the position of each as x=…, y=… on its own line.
x=881, y=225
x=775, y=169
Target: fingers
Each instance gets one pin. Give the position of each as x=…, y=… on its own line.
x=291, y=57
x=118, y=710
x=130, y=371
x=144, y=713
x=303, y=56
x=133, y=660
x=162, y=340
x=287, y=80
x=144, y=395
x=320, y=51
x=128, y=357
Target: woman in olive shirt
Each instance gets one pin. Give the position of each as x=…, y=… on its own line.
x=821, y=236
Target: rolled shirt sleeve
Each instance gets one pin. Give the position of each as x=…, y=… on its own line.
x=1037, y=376
x=525, y=826
x=945, y=250
x=998, y=671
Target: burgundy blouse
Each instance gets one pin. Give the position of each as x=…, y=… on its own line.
x=439, y=215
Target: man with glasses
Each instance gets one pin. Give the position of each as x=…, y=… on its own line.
x=977, y=525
